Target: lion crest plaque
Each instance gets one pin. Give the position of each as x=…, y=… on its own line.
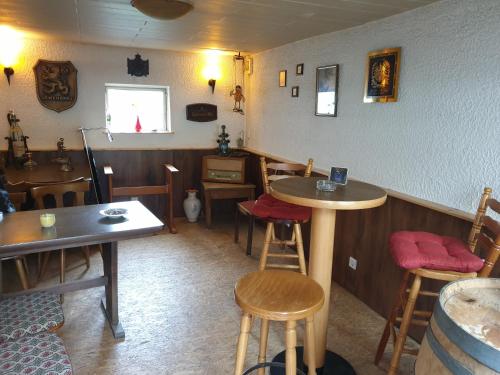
x=56, y=84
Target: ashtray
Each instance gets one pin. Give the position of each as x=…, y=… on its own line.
x=114, y=213
x=326, y=185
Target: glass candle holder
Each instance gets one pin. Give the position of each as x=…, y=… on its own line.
x=47, y=220
x=325, y=185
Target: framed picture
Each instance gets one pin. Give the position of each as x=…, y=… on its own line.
x=327, y=80
x=382, y=76
x=338, y=175
x=299, y=70
x=282, y=78
x=295, y=91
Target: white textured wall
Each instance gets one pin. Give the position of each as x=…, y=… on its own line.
x=440, y=141
x=98, y=65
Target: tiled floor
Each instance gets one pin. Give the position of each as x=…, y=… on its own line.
x=177, y=309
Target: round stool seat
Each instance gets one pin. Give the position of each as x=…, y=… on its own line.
x=278, y=295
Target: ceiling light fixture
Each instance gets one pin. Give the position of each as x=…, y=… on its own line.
x=162, y=9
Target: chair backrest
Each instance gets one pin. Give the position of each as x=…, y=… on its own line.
x=58, y=191
x=281, y=170
x=485, y=232
x=18, y=199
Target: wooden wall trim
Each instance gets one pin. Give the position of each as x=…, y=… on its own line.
x=392, y=193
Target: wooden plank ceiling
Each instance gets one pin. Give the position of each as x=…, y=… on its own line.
x=238, y=25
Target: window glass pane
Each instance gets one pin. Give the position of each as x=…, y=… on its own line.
x=128, y=106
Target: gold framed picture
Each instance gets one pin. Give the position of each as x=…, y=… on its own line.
x=382, y=76
x=282, y=78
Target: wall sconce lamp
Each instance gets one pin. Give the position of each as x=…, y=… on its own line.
x=11, y=43
x=211, y=83
x=8, y=72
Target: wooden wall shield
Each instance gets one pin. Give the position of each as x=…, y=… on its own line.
x=56, y=84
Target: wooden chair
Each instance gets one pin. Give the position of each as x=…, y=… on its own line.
x=274, y=211
x=281, y=296
x=136, y=191
x=485, y=234
x=58, y=191
x=18, y=199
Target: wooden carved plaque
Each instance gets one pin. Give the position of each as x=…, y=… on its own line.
x=56, y=84
x=201, y=112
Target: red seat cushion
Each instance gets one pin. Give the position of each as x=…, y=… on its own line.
x=268, y=207
x=247, y=206
x=427, y=250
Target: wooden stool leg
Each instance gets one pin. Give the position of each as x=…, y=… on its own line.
x=242, y=343
x=265, y=249
x=405, y=324
x=300, y=248
x=23, y=277
x=311, y=351
x=237, y=225
x=251, y=222
x=291, y=343
x=392, y=318
x=264, y=332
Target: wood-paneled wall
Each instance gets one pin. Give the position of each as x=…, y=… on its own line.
x=361, y=234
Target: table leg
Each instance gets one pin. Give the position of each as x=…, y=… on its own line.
x=320, y=269
x=110, y=304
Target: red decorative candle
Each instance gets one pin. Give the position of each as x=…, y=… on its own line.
x=138, y=126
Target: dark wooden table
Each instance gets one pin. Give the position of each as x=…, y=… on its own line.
x=21, y=233
x=46, y=173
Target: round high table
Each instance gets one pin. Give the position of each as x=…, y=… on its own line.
x=355, y=195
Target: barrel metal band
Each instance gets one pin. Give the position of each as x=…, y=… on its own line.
x=446, y=359
x=480, y=351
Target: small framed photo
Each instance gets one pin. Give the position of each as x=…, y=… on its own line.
x=299, y=70
x=295, y=91
x=338, y=175
x=282, y=78
x=327, y=81
x=382, y=76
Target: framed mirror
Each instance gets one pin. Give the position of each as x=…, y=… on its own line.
x=327, y=80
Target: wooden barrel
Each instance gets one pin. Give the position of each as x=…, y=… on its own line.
x=463, y=337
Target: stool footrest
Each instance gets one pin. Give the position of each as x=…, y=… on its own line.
x=280, y=255
x=286, y=266
x=416, y=322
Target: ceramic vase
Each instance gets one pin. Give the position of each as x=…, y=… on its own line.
x=192, y=206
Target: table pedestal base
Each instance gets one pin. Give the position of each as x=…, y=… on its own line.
x=334, y=364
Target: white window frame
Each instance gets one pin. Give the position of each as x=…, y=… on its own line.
x=126, y=86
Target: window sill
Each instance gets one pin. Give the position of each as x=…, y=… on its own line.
x=137, y=133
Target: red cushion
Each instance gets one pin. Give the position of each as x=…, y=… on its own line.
x=427, y=250
x=268, y=207
x=248, y=206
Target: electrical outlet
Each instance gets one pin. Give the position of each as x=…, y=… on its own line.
x=353, y=263
x=134, y=198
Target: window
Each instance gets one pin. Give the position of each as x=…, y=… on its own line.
x=137, y=108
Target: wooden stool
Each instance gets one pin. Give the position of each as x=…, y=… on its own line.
x=221, y=190
x=283, y=296
x=429, y=256
x=274, y=211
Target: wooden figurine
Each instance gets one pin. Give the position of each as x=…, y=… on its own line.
x=238, y=97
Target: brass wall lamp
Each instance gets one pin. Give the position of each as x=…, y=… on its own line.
x=8, y=71
x=211, y=83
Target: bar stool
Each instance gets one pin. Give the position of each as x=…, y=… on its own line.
x=274, y=211
x=272, y=172
x=282, y=296
x=427, y=255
